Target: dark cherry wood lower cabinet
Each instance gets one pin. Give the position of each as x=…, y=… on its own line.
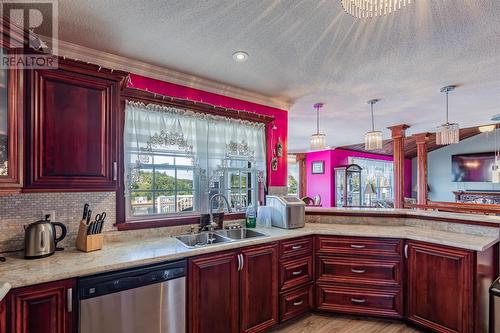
x=360, y=276
x=259, y=288
x=45, y=308
x=359, y=300
x=296, y=302
x=3, y=317
x=440, y=287
x=213, y=293
x=234, y=291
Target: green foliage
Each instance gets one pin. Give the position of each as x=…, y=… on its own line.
x=292, y=185
x=162, y=182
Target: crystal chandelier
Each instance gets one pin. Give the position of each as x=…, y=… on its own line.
x=373, y=139
x=372, y=8
x=447, y=134
x=318, y=141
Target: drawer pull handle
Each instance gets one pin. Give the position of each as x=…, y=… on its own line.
x=297, y=273
x=296, y=247
x=354, y=246
x=358, y=300
x=298, y=303
x=358, y=271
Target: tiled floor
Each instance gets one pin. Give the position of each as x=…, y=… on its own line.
x=315, y=323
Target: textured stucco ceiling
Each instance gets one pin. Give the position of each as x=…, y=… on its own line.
x=310, y=50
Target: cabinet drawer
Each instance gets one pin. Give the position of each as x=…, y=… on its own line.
x=296, y=246
x=296, y=272
x=359, y=246
x=359, y=271
x=296, y=302
x=359, y=301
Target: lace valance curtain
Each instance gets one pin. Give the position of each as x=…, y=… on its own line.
x=209, y=140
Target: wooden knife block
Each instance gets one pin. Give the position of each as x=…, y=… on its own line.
x=88, y=243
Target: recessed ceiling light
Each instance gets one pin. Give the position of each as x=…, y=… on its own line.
x=240, y=56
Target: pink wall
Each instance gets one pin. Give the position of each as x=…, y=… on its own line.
x=320, y=183
x=276, y=178
x=325, y=184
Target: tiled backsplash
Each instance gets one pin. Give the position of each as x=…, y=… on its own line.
x=18, y=210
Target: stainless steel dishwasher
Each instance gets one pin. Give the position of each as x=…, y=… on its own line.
x=150, y=299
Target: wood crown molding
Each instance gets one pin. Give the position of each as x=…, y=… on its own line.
x=104, y=59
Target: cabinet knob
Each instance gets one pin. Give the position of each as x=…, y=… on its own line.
x=297, y=273
x=296, y=247
x=355, y=246
x=358, y=271
x=298, y=303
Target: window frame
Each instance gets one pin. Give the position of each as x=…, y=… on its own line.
x=159, y=167
x=356, y=160
x=226, y=188
x=137, y=95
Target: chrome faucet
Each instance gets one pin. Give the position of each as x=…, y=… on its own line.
x=212, y=225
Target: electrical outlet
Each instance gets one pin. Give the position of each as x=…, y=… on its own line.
x=52, y=214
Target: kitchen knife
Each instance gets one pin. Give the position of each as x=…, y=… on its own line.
x=90, y=226
x=95, y=227
x=85, y=211
x=101, y=224
x=89, y=214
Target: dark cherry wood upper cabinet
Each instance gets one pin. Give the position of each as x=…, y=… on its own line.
x=46, y=308
x=72, y=127
x=11, y=129
x=259, y=288
x=213, y=293
x=440, y=287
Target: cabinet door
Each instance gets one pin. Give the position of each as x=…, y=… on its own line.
x=46, y=308
x=440, y=287
x=11, y=128
x=213, y=293
x=3, y=317
x=72, y=122
x=259, y=288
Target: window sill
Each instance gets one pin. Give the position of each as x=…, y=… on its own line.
x=170, y=222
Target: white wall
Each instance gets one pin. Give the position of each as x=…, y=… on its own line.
x=440, y=167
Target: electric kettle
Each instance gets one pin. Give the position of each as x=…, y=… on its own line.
x=40, y=238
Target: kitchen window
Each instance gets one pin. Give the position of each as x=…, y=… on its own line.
x=164, y=184
x=238, y=181
x=293, y=179
x=176, y=159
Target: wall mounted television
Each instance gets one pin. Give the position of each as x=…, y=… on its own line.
x=472, y=167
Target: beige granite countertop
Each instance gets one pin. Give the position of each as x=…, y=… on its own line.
x=17, y=272
x=492, y=219
x=4, y=289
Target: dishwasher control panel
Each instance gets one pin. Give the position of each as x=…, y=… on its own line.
x=102, y=284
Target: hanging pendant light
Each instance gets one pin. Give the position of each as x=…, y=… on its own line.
x=447, y=134
x=374, y=139
x=318, y=141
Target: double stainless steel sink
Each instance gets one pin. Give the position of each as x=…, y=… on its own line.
x=216, y=237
